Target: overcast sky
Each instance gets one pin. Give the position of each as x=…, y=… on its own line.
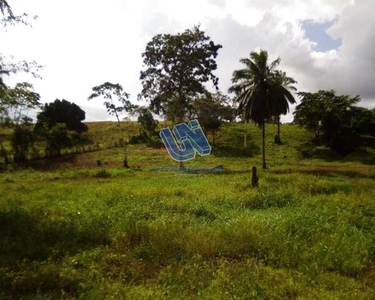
x=323, y=44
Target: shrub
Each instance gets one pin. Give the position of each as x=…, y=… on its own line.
x=102, y=174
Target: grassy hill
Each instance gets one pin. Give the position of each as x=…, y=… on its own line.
x=70, y=229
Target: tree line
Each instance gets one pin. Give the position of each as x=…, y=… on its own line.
x=177, y=71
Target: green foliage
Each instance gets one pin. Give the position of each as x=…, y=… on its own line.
x=208, y=112
x=148, y=125
x=102, y=174
x=60, y=126
x=22, y=140
x=334, y=119
x=308, y=150
x=14, y=106
x=261, y=91
x=16, y=103
x=177, y=68
x=116, y=100
x=63, y=112
x=146, y=120
x=363, y=120
x=251, y=86
x=58, y=138
x=280, y=93
x=7, y=68
x=281, y=96
x=114, y=95
x=211, y=111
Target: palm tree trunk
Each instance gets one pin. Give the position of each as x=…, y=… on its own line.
x=245, y=136
x=264, y=144
x=277, y=137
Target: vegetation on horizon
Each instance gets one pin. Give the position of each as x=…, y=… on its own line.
x=76, y=224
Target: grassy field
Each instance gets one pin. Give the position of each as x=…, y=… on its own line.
x=72, y=230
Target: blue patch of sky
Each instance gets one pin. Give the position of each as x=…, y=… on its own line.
x=317, y=32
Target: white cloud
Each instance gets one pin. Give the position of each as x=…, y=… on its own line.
x=84, y=43
x=218, y=3
x=351, y=70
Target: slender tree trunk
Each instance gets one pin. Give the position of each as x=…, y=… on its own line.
x=245, y=136
x=277, y=137
x=124, y=144
x=179, y=120
x=264, y=144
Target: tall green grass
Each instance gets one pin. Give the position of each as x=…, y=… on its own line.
x=307, y=232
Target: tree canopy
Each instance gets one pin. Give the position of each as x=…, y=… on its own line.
x=11, y=97
x=177, y=66
x=16, y=103
x=116, y=100
x=212, y=110
x=335, y=120
x=62, y=111
x=280, y=92
x=261, y=91
x=146, y=120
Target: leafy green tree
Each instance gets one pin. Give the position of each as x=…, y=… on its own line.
x=18, y=102
x=146, y=120
x=177, y=67
x=60, y=125
x=281, y=96
x=211, y=111
x=116, y=101
x=332, y=118
x=62, y=111
x=363, y=120
x=22, y=140
x=7, y=94
x=15, y=102
x=148, y=124
x=15, y=105
x=252, y=87
x=58, y=137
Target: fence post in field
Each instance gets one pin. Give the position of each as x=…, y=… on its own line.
x=254, y=177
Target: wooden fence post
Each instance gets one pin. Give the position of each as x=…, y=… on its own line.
x=254, y=177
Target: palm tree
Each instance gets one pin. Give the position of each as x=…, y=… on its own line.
x=281, y=96
x=252, y=87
